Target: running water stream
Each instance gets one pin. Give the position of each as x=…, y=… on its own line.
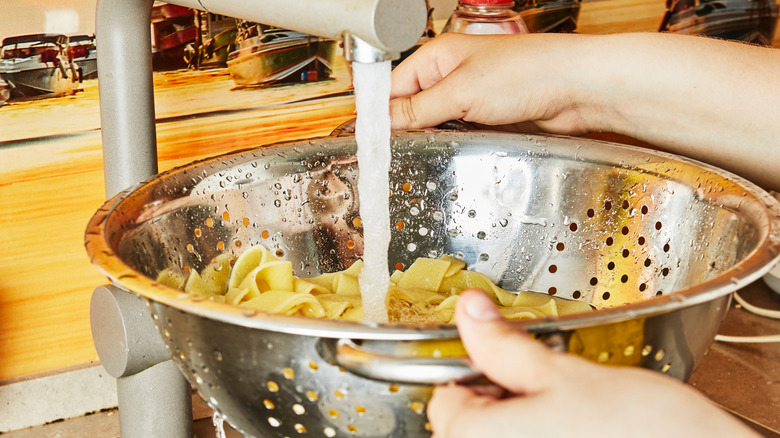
x=372, y=133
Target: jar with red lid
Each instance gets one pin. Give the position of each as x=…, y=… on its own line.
x=483, y=17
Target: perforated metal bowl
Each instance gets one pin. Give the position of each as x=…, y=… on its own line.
x=655, y=241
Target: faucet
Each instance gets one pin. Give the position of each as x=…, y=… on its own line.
x=154, y=397
x=371, y=30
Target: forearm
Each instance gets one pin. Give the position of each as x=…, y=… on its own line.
x=712, y=100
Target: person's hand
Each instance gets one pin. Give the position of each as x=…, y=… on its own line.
x=541, y=393
x=709, y=99
x=513, y=80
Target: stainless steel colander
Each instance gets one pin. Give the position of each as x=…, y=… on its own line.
x=655, y=241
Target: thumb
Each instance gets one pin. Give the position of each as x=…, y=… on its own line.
x=502, y=351
x=426, y=109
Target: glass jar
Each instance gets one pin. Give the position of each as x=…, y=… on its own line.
x=485, y=17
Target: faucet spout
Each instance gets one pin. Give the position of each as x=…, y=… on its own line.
x=357, y=50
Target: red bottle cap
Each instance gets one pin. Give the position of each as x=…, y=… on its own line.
x=488, y=2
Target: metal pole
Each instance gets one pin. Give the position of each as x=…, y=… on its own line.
x=154, y=397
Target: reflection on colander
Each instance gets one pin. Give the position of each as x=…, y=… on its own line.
x=656, y=242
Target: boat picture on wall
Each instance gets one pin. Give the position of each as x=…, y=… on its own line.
x=549, y=16
x=266, y=56
x=83, y=52
x=38, y=65
x=752, y=21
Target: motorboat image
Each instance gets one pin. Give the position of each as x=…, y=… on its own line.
x=38, y=65
x=265, y=56
x=752, y=21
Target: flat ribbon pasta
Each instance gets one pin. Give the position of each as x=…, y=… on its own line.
x=427, y=292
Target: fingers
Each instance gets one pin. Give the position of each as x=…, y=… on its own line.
x=425, y=109
x=422, y=92
x=448, y=407
x=502, y=351
x=425, y=67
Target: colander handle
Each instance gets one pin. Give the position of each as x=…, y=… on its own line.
x=397, y=369
x=414, y=370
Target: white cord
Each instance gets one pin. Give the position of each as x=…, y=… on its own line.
x=748, y=339
x=773, y=314
x=760, y=311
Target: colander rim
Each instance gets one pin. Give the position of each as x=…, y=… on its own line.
x=747, y=270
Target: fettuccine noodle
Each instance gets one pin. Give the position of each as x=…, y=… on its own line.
x=426, y=292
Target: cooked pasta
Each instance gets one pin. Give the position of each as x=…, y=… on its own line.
x=426, y=292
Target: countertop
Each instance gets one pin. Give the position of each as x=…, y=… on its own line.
x=745, y=378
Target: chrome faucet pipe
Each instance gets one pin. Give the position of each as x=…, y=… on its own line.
x=357, y=50
x=388, y=26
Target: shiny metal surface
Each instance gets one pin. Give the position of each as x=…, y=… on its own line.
x=357, y=50
x=656, y=242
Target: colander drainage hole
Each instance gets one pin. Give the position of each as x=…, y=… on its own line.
x=417, y=407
